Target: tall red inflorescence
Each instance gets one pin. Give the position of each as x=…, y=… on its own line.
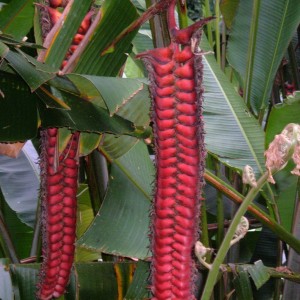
x=59, y=174
x=176, y=74
x=58, y=192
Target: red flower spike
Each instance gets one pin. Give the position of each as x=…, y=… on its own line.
x=58, y=213
x=54, y=15
x=58, y=190
x=176, y=91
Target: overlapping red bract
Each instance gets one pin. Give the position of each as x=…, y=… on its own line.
x=59, y=189
x=175, y=73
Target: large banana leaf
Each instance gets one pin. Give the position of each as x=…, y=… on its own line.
x=277, y=22
x=232, y=133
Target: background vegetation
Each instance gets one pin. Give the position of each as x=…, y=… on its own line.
x=252, y=85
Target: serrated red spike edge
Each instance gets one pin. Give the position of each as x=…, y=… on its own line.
x=175, y=74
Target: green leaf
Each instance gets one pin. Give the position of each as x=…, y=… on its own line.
x=277, y=23
x=16, y=18
x=95, y=280
x=228, y=9
x=116, y=16
x=25, y=279
x=88, y=142
x=6, y=290
x=30, y=74
x=124, y=212
x=281, y=115
x=228, y=122
x=259, y=273
x=286, y=195
x=127, y=98
x=115, y=146
x=63, y=39
x=109, y=280
x=139, y=288
x=18, y=112
x=85, y=218
x=242, y=285
x=84, y=115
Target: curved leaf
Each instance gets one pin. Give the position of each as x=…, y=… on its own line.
x=16, y=12
x=139, y=288
x=126, y=97
x=277, y=22
x=116, y=16
x=62, y=40
x=84, y=115
x=125, y=208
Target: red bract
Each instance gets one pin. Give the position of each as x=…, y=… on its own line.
x=59, y=174
x=58, y=185
x=175, y=73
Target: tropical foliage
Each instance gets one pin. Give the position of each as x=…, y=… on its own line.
x=252, y=92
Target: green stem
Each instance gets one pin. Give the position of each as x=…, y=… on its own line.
x=294, y=66
x=158, y=26
x=36, y=241
x=217, y=32
x=182, y=14
x=220, y=211
x=214, y=272
x=209, y=25
x=251, y=52
x=204, y=226
x=223, y=52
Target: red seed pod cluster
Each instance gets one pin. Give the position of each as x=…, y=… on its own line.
x=175, y=73
x=59, y=189
x=84, y=26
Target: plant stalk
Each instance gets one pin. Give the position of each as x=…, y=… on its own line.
x=209, y=25
x=217, y=32
x=259, y=214
x=182, y=14
x=214, y=272
x=7, y=243
x=251, y=53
